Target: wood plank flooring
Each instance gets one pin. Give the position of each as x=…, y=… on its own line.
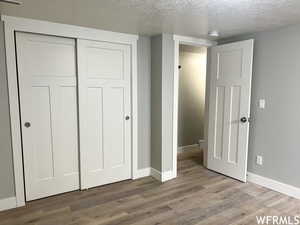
x=197, y=197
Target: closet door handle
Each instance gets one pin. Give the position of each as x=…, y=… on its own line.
x=127, y=117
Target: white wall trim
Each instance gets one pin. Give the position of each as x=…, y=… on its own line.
x=134, y=109
x=140, y=173
x=168, y=175
x=156, y=174
x=163, y=176
x=193, y=41
x=175, y=103
x=178, y=39
x=65, y=30
x=202, y=143
x=13, y=24
x=187, y=148
x=274, y=185
x=14, y=112
x=8, y=203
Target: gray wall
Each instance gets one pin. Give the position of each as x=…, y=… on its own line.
x=162, y=69
x=167, y=101
x=156, y=102
x=6, y=166
x=144, y=101
x=275, y=131
x=191, y=96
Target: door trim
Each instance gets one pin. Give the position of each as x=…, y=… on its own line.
x=14, y=24
x=178, y=39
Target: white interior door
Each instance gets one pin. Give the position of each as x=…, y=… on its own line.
x=104, y=112
x=48, y=103
x=229, y=109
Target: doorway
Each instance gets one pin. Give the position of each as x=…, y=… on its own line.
x=227, y=114
x=191, y=102
x=190, y=43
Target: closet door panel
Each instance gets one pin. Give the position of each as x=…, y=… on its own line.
x=48, y=102
x=104, y=108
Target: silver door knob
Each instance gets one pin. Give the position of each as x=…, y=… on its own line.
x=127, y=117
x=27, y=124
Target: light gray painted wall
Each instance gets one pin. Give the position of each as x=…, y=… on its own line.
x=191, y=96
x=6, y=166
x=167, y=101
x=162, y=69
x=156, y=102
x=275, y=131
x=144, y=101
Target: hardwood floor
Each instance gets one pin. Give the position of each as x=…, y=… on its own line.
x=197, y=197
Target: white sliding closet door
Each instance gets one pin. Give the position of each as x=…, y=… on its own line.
x=104, y=112
x=48, y=103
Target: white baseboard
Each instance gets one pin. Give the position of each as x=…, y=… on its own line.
x=156, y=174
x=146, y=172
x=274, y=185
x=187, y=148
x=8, y=203
x=162, y=177
x=202, y=144
x=169, y=175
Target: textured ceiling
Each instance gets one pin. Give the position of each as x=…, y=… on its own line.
x=184, y=17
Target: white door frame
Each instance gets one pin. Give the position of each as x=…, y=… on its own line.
x=186, y=41
x=13, y=24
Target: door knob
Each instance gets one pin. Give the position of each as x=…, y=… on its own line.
x=27, y=124
x=127, y=117
x=244, y=120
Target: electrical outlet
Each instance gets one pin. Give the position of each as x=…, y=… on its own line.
x=259, y=160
